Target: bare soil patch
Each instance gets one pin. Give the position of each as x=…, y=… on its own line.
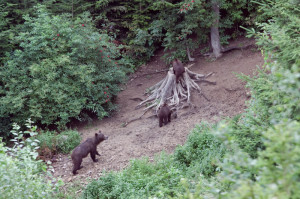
x=144, y=137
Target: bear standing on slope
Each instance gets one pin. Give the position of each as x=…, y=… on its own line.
x=164, y=114
x=82, y=150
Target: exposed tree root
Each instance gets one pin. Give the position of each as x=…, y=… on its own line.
x=189, y=54
x=135, y=119
x=224, y=50
x=136, y=99
x=150, y=73
x=176, y=95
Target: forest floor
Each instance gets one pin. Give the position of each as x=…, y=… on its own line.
x=144, y=137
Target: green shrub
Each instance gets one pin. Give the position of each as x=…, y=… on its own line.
x=19, y=179
x=275, y=96
x=21, y=175
x=141, y=179
x=279, y=37
x=248, y=126
x=67, y=141
x=62, y=70
x=47, y=140
x=201, y=152
x=161, y=178
x=269, y=130
x=274, y=174
x=64, y=142
x=277, y=167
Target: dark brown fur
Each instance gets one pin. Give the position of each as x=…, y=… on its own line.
x=178, y=69
x=164, y=115
x=82, y=150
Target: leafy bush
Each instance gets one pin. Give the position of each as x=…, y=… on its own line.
x=249, y=125
x=201, y=152
x=47, y=139
x=21, y=175
x=279, y=36
x=277, y=174
x=275, y=96
x=67, y=141
x=62, y=70
x=63, y=142
x=269, y=130
x=273, y=174
x=161, y=178
x=20, y=180
x=141, y=180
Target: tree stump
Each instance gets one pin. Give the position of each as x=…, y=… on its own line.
x=175, y=95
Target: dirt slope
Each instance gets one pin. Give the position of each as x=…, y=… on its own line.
x=144, y=137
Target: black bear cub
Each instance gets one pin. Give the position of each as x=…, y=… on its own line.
x=178, y=69
x=83, y=149
x=164, y=114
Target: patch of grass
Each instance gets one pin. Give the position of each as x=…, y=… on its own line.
x=67, y=141
x=201, y=152
x=141, y=180
x=70, y=191
x=64, y=142
x=47, y=140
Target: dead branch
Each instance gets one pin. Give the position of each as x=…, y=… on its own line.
x=206, y=81
x=150, y=73
x=136, y=99
x=135, y=119
x=227, y=49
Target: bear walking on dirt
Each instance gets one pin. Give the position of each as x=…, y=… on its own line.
x=82, y=150
x=164, y=114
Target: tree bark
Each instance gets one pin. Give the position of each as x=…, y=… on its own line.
x=214, y=30
x=189, y=54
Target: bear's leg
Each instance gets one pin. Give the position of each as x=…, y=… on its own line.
x=166, y=120
x=93, y=156
x=160, y=121
x=76, y=165
x=97, y=153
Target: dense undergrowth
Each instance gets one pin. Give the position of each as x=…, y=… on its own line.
x=21, y=174
x=63, y=142
x=63, y=70
x=145, y=179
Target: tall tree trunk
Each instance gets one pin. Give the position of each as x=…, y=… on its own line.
x=72, y=10
x=214, y=30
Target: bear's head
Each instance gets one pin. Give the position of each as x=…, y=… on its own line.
x=99, y=137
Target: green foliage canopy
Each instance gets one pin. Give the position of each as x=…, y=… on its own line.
x=62, y=69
